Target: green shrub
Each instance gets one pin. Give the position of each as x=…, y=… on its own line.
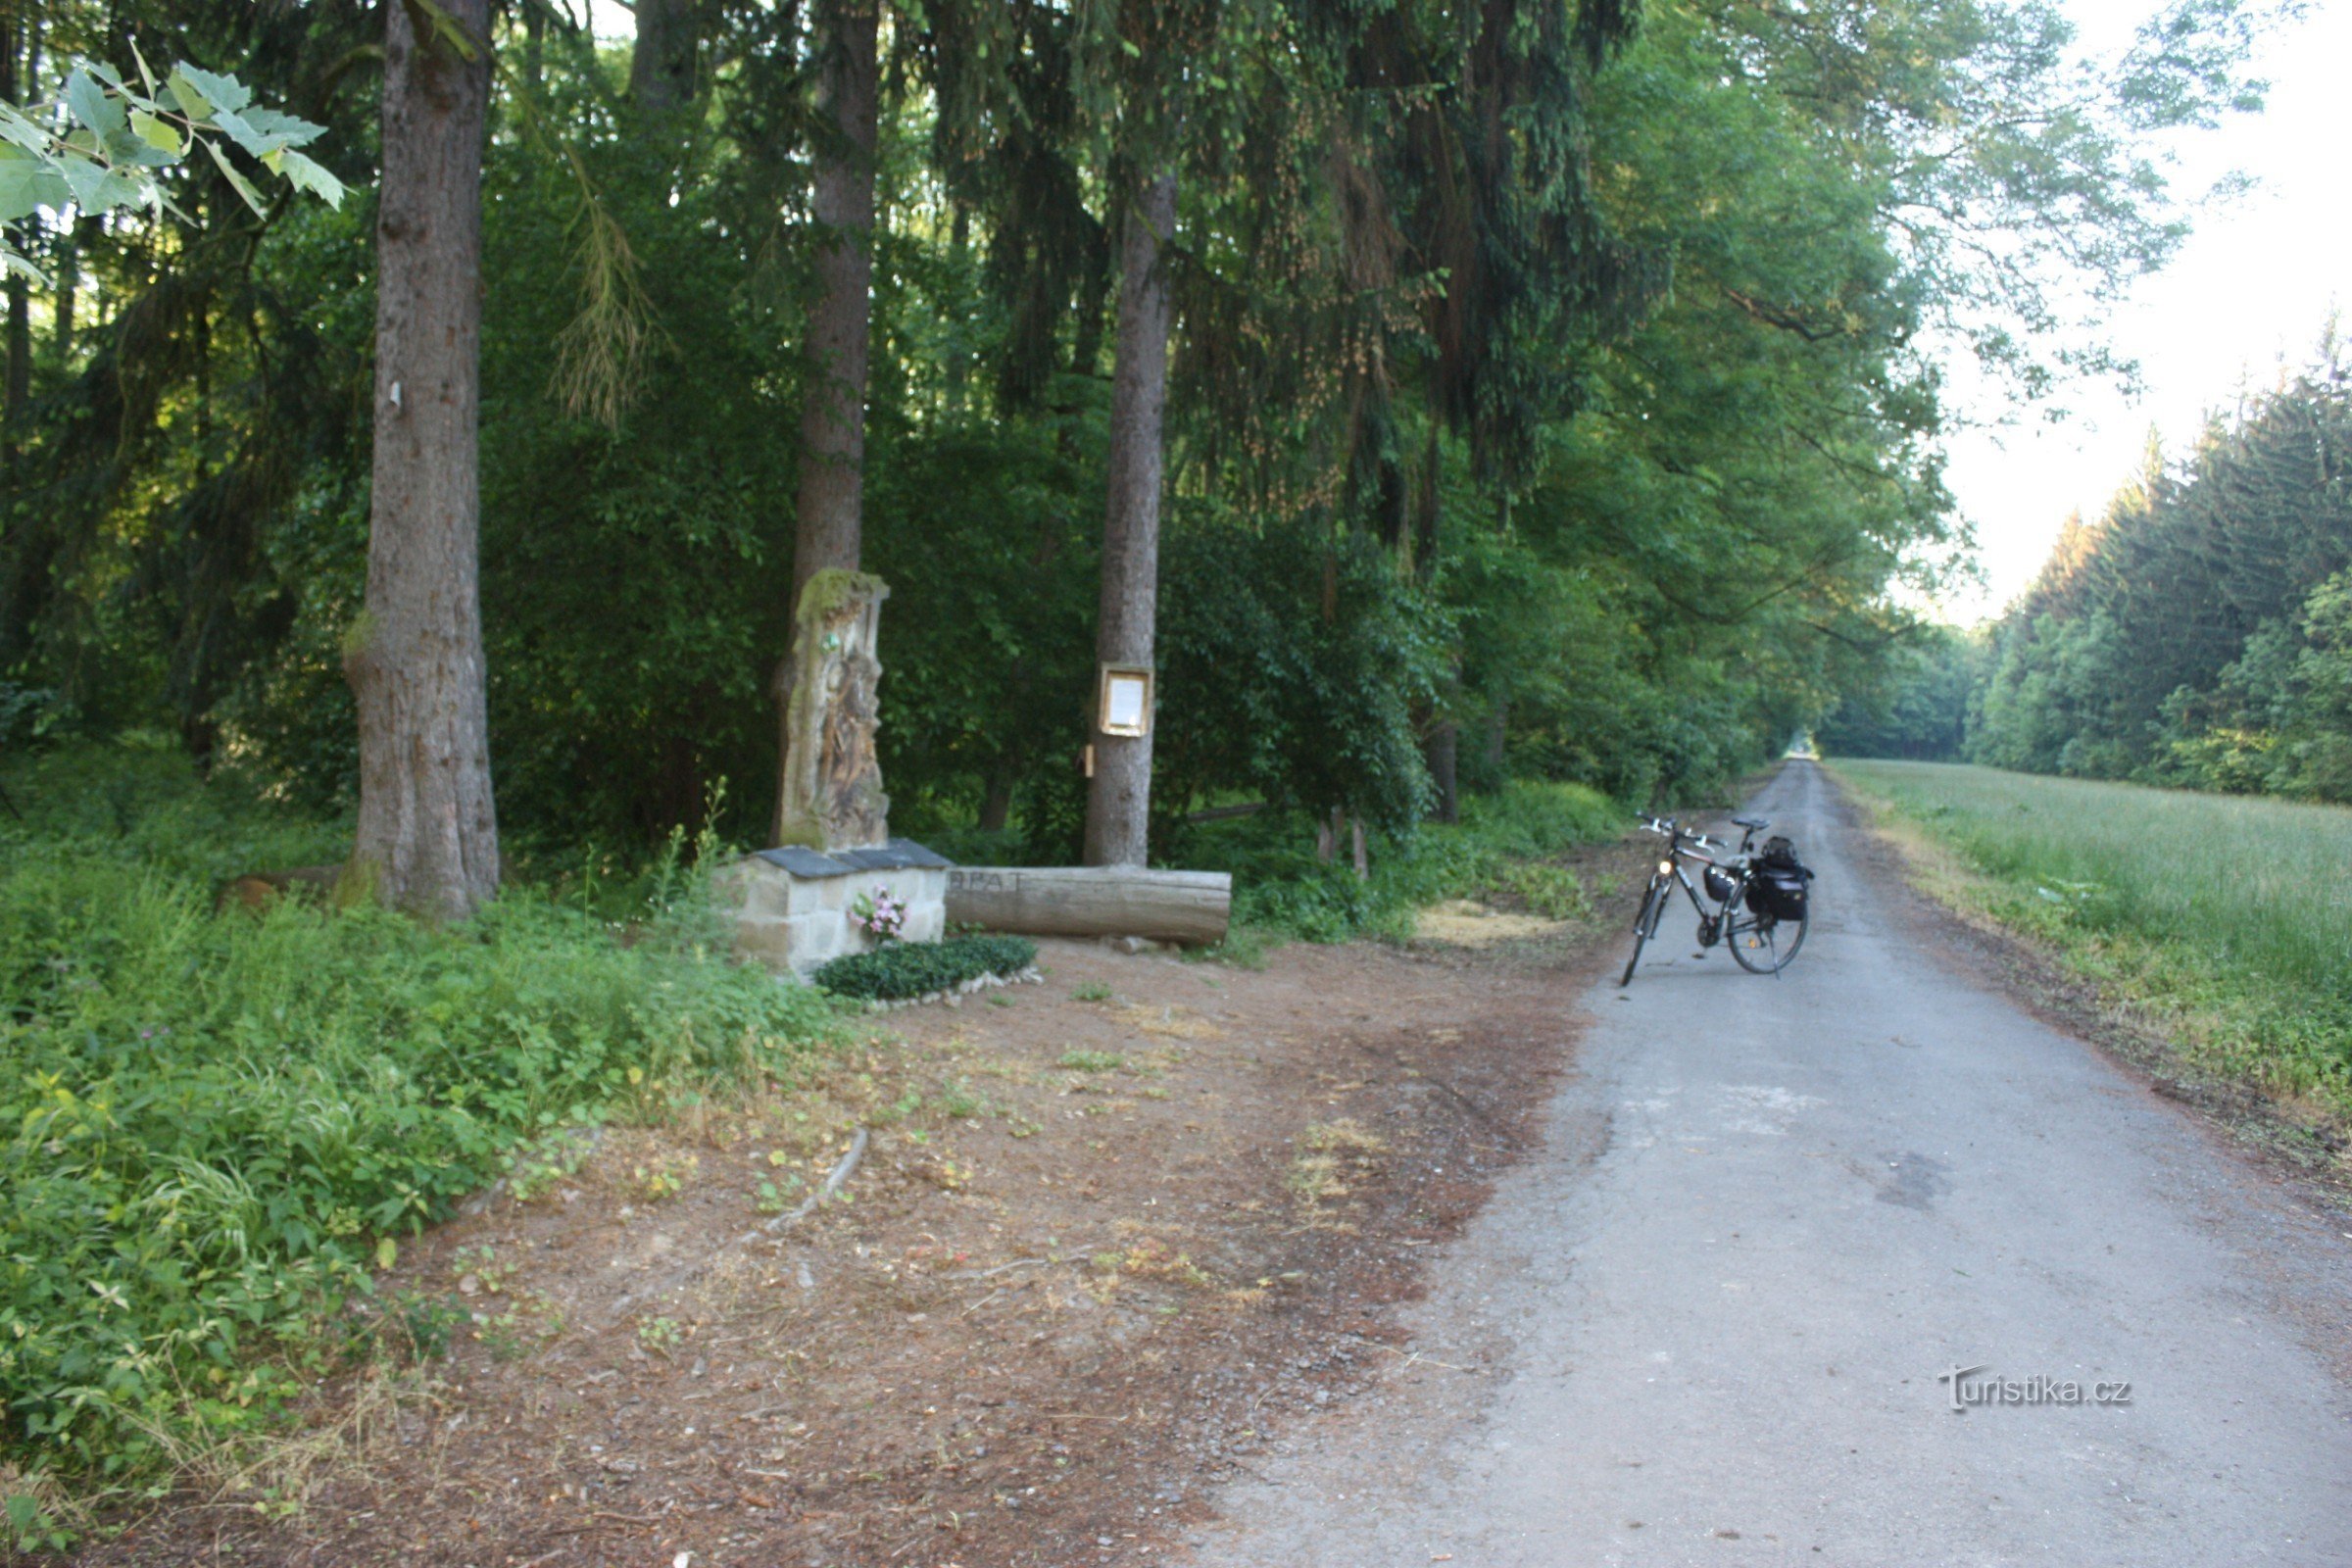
x=905, y=969
x=213, y=1127
x=1279, y=885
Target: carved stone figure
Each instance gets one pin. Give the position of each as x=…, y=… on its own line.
x=832, y=796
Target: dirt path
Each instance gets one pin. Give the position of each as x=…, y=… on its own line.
x=1111, y=1236
x=1711, y=1321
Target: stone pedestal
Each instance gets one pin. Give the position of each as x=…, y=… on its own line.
x=791, y=903
x=792, y=906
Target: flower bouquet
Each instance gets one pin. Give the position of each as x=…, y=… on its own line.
x=880, y=915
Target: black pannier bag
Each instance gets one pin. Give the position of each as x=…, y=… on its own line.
x=1777, y=886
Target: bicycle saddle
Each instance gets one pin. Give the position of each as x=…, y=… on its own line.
x=1756, y=822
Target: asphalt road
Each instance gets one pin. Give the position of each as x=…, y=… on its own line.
x=1705, y=1322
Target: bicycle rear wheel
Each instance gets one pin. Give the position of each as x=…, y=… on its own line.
x=1645, y=926
x=1762, y=945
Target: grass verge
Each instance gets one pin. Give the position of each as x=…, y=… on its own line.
x=2219, y=920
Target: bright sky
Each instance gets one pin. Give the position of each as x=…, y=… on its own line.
x=2254, y=285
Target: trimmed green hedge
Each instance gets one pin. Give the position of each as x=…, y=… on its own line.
x=905, y=969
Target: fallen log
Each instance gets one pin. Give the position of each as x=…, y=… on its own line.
x=1113, y=901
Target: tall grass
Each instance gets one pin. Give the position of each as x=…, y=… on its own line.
x=2233, y=912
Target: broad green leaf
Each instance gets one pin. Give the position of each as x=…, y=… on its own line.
x=253, y=198
x=14, y=127
x=387, y=1253
x=235, y=127
x=91, y=105
x=161, y=134
x=192, y=101
x=28, y=184
x=146, y=77
x=281, y=129
x=304, y=173
x=85, y=177
x=220, y=92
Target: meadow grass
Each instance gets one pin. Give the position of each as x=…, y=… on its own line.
x=2228, y=916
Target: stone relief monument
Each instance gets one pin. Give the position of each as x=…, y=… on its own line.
x=809, y=898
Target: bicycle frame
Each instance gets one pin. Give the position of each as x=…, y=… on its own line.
x=1724, y=922
x=1678, y=856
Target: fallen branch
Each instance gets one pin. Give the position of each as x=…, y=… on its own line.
x=841, y=1172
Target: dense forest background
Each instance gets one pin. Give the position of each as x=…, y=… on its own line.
x=2197, y=633
x=1550, y=390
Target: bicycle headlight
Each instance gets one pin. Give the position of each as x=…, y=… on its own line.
x=1665, y=868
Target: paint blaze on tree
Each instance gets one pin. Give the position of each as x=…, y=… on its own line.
x=427, y=838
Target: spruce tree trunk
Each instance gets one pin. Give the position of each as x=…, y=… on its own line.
x=662, y=63
x=427, y=838
x=831, y=499
x=1118, y=801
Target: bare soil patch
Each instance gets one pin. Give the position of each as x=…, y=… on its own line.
x=1110, y=1234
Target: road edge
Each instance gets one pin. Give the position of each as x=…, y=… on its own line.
x=2252, y=1124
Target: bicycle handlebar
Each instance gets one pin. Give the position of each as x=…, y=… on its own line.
x=1664, y=827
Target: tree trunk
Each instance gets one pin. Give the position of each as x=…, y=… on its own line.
x=427, y=838
x=1118, y=801
x=1441, y=752
x=69, y=287
x=1498, y=735
x=18, y=388
x=996, y=805
x=829, y=507
x=662, y=61
x=534, y=42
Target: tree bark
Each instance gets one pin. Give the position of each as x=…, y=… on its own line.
x=830, y=503
x=662, y=63
x=69, y=287
x=427, y=838
x=18, y=385
x=1192, y=906
x=1118, y=801
x=1441, y=752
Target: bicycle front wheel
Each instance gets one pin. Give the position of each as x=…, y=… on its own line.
x=1645, y=926
x=1762, y=945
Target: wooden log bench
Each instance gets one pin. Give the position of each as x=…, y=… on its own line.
x=1190, y=907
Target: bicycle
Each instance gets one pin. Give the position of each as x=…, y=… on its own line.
x=1761, y=939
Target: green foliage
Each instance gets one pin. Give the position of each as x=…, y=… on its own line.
x=901, y=969
x=1917, y=709
x=125, y=134
x=1279, y=887
x=2221, y=915
x=213, y=1123
x=2200, y=633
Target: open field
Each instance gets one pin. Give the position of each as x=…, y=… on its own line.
x=2227, y=916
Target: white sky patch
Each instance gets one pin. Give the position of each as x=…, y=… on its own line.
x=2250, y=292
